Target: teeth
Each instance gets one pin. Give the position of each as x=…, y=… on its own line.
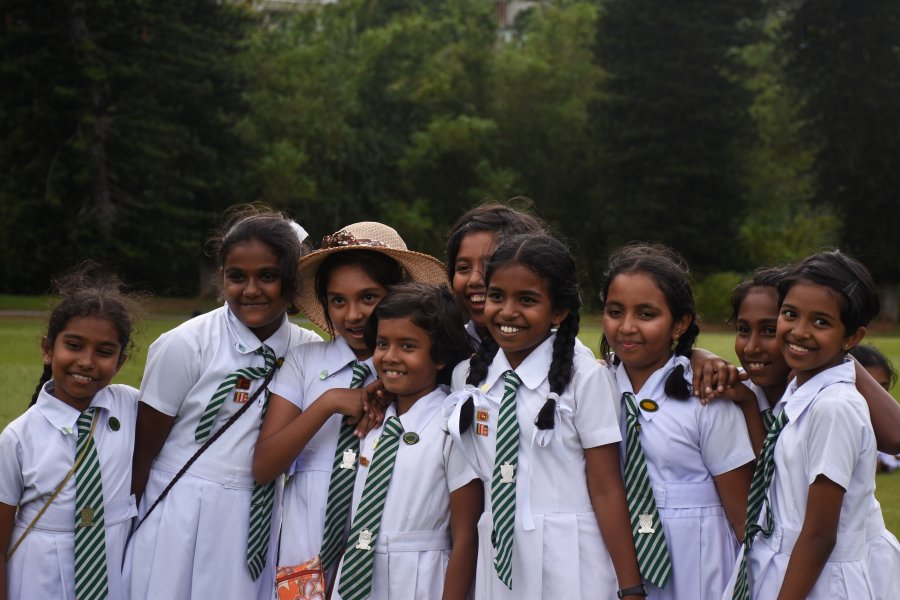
x=798, y=349
x=81, y=378
x=509, y=329
x=755, y=366
x=475, y=298
x=392, y=373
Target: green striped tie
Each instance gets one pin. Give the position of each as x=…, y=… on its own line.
x=649, y=538
x=503, y=484
x=359, y=556
x=261, y=504
x=340, y=489
x=204, y=427
x=90, y=533
x=757, y=500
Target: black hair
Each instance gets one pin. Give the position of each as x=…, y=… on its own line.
x=89, y=290
x=870, y=356
x=549, y=259
x=857, y=297
x=380, y=267
x=671, y=274
x=247, y=222
x=763, y=277
x=433, y=309
x=499, y=219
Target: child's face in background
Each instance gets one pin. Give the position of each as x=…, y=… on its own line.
x=639, y=326
x=519, y=312
x=352, y=296
x=403, y=360
x=468, y=278
x=755, y=344
x=83, y=359
x=810, y=331
x=252, y=286
x=880, y=375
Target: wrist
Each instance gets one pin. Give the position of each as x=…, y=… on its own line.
x=636, y=590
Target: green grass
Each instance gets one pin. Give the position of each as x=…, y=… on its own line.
x=20, y=357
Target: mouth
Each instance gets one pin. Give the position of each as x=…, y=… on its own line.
x=476, y=300
x=509, y=329
x=393, y=373
x=797, y=349
x=753, y=366
x=254, y=305
x=81, y=378
x=628, y=344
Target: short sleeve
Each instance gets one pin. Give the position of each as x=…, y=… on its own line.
x=173, y=368
x=458, y=470
x=460, y=374
x=596, y=404
x=288, y=380
x=834, y=435
x=12, y=484
x=724, y=441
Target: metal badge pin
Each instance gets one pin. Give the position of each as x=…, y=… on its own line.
x=410, y=438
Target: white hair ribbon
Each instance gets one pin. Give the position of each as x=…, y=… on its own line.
x=301, y=233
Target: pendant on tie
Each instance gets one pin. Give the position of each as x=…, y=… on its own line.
x=507, y=473
x=365, y=540
x=348, y=460
x=86, y=517
x=645, y=524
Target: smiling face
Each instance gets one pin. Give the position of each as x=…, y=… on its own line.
x=519, y=312
x=639, y=326
x=756, y=346
x=468, y=276
x=252, y=287
x=810, y=332
x=403, y=360
x=83, y=359
x=352, y=295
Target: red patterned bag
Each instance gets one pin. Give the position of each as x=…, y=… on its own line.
x=305, y=581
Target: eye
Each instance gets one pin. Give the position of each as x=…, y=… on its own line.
x=105, y=352
x=408, y=346
x=73, y=345
x=381, y=344
x=742, y=330
x=372, y=298
x=495, y=296
x=463, y=268
x=789, y=314
x=613, y=312
x=769, y=331
x=270, y=276
x=336, y=300
x=820, y=322
x=646, y=315
x=528, y=300
x=234, y=276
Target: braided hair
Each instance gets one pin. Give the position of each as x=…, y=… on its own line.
x=670, y=273
x=549, y=259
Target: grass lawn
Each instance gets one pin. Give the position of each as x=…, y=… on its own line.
x=20, y=358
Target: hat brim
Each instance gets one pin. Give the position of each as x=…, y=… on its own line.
x=420, y=267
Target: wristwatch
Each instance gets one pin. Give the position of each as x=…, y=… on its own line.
x=638, y=590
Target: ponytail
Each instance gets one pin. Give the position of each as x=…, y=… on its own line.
x=561, y=368
x=676, y=386
x=45, y=377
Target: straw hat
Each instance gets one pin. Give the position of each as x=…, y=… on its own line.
x=367, y=235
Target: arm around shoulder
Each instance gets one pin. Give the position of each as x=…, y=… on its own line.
x=883, y=409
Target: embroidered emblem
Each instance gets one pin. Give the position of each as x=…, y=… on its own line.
x=365, y=540
x=348, y=461
x=645, y=524
x=507, y=473
x=86, y=517
x=363, y=461
x=410, y=438
x=481, y=429
x=649, y=405
x=481, y=415
x=114, y=423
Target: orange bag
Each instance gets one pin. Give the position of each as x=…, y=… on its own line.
x=305, y=581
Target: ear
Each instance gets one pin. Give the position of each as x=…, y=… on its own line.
x=680, y=326
x=440, y=366
x=853, y=340
x=559, y=316
x=46, y=350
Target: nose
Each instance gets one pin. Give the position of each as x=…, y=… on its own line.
x=629, y=323
x=508, y=310
x=752, y=344
x=355, y=312
x=476, y=277
x=252, y=287
x=390, y=354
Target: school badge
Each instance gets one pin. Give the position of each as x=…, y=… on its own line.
x=365, y=540
x=645, y=524
x=86, y=517
x=242, y=390
x=507, y=473
x=482, y=416
x=348, y=459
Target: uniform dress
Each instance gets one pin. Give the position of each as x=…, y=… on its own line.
x=413, y=543
x=308, y=372
x=883, y=554
x=829, y=433
x=685, y=446
x=194, y=543
x=37, y=450
x=558, y=551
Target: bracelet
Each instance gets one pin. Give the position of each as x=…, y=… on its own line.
x=638, y=590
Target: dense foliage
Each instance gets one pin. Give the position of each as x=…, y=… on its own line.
x=741, y=132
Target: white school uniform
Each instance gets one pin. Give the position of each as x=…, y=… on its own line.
x=558, y=550
x=194, y=544
x=308, y=372
x=580, y=348
x=37, y=450
x=883, y=555
x=413, y=544
x=685, y=446
x=829, y=433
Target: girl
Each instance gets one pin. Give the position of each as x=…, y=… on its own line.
x=53, y=505
x=205, y=538
x=882, y=371
x=541, y=430
x=472, y=239
x=433, y=500
x=699, y=461
x=311, y=395
x=755, y=316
